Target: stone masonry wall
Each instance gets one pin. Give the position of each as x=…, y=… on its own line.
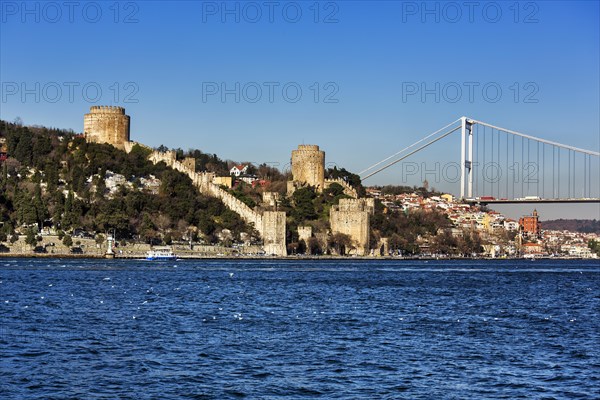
x=352, y=217
x=348, y=190
x=270, y=224
x=190, y=163
x=274, y=232
x=107, y=124
x=270, y=199
x=308, y=166
x=304, y=233
x=128, y=146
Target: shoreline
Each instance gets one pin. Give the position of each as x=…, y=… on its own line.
x=303, y=257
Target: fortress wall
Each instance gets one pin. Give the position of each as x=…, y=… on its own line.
x=365, y=204
x=352, y=217
x=291, y=188
x=348, y=189
x=109, y=124
x=270, y=199
x=128, y=146
x=270, y=224
x=168, y=157
x=239, y=207
x=204, y=183
x=274, y=232
x=383, y=247
x=304, y=233
x=190, y=163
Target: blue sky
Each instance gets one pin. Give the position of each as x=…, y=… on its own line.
x=353, y=61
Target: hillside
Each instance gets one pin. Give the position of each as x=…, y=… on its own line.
x=573, y=225
x=55, y=181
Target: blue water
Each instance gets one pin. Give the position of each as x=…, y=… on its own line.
x=93, y=329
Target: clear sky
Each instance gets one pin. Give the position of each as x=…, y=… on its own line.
x=250, y=81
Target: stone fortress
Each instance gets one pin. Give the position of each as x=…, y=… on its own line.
x=110, y=124
x=308, y=169
x=107, y=124
x=350, y=216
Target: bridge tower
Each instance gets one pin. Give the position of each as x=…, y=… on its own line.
x=466, y=158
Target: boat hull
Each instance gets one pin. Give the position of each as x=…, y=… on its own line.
x=160, y=258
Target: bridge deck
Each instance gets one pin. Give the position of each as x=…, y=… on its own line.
x=532, y=201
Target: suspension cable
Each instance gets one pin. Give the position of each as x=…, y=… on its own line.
x=411, y=153
x=406, y=148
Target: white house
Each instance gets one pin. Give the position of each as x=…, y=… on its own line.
x=511, y=225
x=238, y=170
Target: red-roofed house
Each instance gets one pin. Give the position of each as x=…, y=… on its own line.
x=238, y=170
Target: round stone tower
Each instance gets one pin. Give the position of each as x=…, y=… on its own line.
x=107, y=124
x=308, y=165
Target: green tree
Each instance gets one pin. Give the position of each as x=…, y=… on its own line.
x=23, y=206
x=42, y=146
x=67, y=240
x=24, y=149
x=41, y=210
x=30, y=237
x=303, y=206
x=352, y=179
x=99, y=239
x=594, y=246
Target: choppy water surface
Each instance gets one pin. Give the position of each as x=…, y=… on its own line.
x=306, y=329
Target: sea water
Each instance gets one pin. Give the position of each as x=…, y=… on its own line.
x=94, y=329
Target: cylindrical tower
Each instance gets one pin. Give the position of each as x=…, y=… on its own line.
x=308, y=165
x=107, y=124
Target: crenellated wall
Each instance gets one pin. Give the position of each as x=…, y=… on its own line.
x=273, y=232
x=270, y=199
x=352, y=217
x=270, y=224
x=128, y=146
x=348, y=189
x=109, y=124
x=190, y=163
x=168, y=157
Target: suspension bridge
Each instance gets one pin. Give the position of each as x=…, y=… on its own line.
x=499, y=165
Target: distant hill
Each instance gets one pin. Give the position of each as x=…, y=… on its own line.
x=573, y=225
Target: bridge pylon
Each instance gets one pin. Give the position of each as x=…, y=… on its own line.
x=466, y=158
x=513, y=165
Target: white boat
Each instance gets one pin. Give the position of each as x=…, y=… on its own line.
x=160, y=253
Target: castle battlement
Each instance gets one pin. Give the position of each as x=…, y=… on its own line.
x=352, y=217
x=107, y=124
x=107, y=110
x=366, y=204
x=308, y=147
x=308, y=166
